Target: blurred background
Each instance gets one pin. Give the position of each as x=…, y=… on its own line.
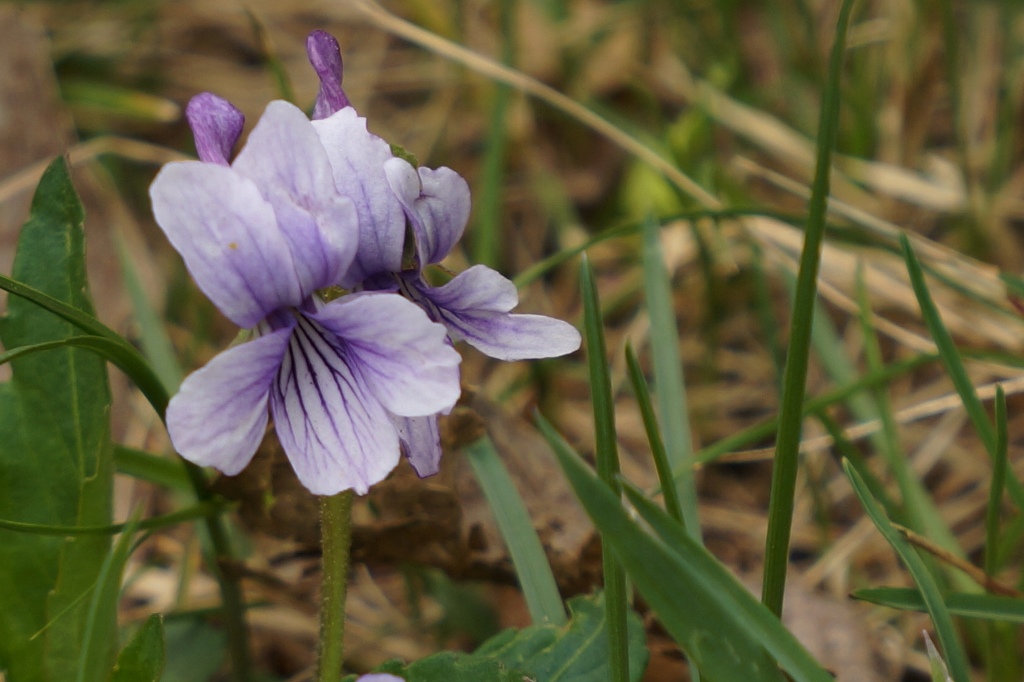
x=603, y=114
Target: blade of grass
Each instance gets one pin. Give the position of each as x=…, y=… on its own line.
x=787, y=451
x=981, y=606
x=955, y=366
x=670, y=387
x=661, y=463
x=486, y=236
x=997, y=486
x=531, y=564
x=918, y=510
x=689, y=590
x=929, y=590
x=156, y=344
x=607, y=455
x=196, y=511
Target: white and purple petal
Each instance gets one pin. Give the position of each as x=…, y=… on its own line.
x=228, y=236
x=325, y=56
x=216, y=126
x=475, y=306
x=421, y=440
x=286, y=160
x=220, y=414
x=436, y=203
x=405, y=358
x=357, y=159
x=335, y=432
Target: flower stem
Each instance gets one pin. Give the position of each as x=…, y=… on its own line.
x=336, y=532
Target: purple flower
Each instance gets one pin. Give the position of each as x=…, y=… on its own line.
x=260, y=236
x=379, y=677
x=390, y=193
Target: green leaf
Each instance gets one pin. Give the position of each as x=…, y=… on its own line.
x=101, y=621
x=577, y=652
x=967, y=605
x=607, y=455
x=449, y=666
x=56, y=463
x=727, y=636
x=142, y=659
x=933, y=600
x=531, y=564
x=670, y=386
x=195, y=650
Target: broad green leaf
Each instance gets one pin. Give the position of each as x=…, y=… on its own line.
x=576, y=652
x=142, y=659
x=56, y=464
x=194, y=652
x=449, y=666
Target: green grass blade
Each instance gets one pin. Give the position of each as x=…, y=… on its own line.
x=487, y=233
x=163, y=471
x=780, y=508
x=689, y=590
x=531, y=564
x=156, y=344
x=929, y=590
x=955, y=366
x=661, y=463
x=670, y=387
x=96, y=661
x=196, y=511
x=992, y=607
x=997, y=486
x=608, y=468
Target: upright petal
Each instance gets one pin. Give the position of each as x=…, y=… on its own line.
x=228, y=236
x=216, y=125
x=218, y=417
x=406, y=359
x=286, y=160
x=422, y=442
x=335, y=432
x=357, y=158
x=436, y=202
x=475, y=307
x=325, y=56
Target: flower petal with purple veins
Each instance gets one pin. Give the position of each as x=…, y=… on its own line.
x=405, y=359
x=357, y=158
x=228, y=236
x=218, y=417
x=474, y=307
x=325, y=56
x=332, y=428
x=437, y=204
x=286, y=160
x=216, y=126
x=421, y=440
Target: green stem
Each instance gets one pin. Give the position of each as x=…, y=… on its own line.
x=336, y=531
x=781, y=503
